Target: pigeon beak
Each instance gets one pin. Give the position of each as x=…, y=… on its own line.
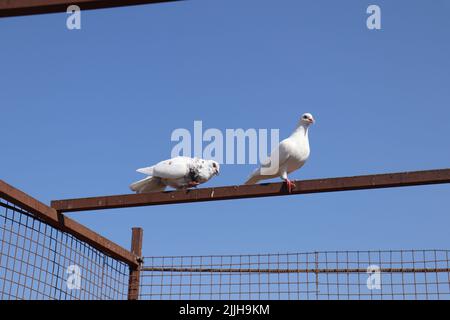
x=312, y=120
x=217, y=172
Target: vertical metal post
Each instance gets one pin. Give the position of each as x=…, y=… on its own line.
x=136, y=248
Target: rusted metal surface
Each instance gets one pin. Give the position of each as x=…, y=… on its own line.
x=135, y=274
x=246, y=270
x=63, y=223
x=11, y=8
x=388, y=180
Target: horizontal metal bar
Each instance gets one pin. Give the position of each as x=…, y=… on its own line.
x=255, y=270
x=11, y=8
x=387, y=180
x=63, y=223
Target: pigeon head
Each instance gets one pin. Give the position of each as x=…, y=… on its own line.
x=207, y=170
x=215, y=167
x=307, y=119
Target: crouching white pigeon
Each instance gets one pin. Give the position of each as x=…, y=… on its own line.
x=290, y=155
x=178, y=173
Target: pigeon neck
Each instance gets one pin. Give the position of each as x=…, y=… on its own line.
x=301, y=130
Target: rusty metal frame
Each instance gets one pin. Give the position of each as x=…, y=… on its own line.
x=387, y=180
x=135, y=272
x=11, y=8
x=310, y=270
x=63, y=223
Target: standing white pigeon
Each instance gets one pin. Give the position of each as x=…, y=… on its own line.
x=291, y=154
x=178, y=173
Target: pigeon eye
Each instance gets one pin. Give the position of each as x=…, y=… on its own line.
x=305, y=117
x=214, y=165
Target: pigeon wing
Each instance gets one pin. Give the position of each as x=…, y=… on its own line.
x=270, y=167
x=172, y=169
x=281, y=152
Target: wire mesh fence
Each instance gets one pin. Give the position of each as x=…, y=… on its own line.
x=394, y=274
x=38, y=261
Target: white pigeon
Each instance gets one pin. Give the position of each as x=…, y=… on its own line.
x=291, y=153
x=178, y=173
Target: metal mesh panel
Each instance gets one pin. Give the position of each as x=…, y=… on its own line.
x=398, y=274
x=38, y=261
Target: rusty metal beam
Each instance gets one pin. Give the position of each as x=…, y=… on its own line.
x=312, y=271
x=137, y=237
x=11, y=8
x=388, y=180
x=63, y=223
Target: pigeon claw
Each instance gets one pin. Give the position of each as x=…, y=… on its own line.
x=193, y=184
x=290, y=185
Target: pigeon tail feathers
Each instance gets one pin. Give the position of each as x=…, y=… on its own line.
x=148, y=184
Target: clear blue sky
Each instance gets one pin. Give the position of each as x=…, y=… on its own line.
x=81, y=110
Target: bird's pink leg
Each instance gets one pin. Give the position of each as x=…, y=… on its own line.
x=290, y=185
x=193, y=184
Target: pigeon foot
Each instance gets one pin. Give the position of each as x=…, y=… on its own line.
x=193, y=184
x=290, y=185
